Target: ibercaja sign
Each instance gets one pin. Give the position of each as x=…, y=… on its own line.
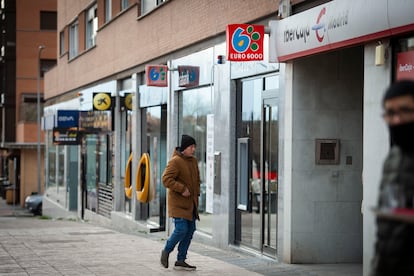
x=405, y=65
x=244, y=42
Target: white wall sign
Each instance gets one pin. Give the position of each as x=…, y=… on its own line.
x=337, y=24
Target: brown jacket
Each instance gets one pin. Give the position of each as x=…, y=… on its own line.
x=182, y=172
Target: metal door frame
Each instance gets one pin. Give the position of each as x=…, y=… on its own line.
x=269, y=98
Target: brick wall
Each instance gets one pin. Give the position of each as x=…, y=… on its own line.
x=128, y=40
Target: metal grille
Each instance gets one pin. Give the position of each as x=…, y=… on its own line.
x=105, y=200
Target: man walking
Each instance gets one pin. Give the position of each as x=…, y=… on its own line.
x=394, y=252
x=182, y=179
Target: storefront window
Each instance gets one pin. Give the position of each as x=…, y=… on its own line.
x=56, y=184
x=102, y=156
x=61, y=191
x=90, y=177
x=126, y=150
x=196, y=105
x=52, y=163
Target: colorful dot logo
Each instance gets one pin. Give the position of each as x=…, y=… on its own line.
x=156, y=75
x=245, y=42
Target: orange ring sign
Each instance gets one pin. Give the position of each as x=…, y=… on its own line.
x=127, y=180
x=144, y=189
x=143, y=181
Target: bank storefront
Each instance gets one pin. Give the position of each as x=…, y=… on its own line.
x=232, y=111
x=337, y=67
x=79, y=154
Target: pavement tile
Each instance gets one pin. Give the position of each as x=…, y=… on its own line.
x=31, y=246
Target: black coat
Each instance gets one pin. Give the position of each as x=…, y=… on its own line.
x=394, y=248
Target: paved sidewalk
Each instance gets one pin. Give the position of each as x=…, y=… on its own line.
x=33, y=246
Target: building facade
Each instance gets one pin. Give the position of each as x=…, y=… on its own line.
x=25, y=26
x=337, y=67
x=285, y=145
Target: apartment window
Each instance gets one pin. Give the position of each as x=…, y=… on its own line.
x=46, y=65
x=108, y=10
x=28, y=107
x=91, y=26
x=148, y=5
x=124, y=4
x=73, y=40
x=48, y=20
x=61, y=42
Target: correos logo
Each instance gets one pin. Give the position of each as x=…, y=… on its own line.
x=319, y=28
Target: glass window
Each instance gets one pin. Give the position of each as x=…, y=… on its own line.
x=108, y=10
x=125, y=84
x=46, y=65
x=28, y=107
x=61, y=191
x=90, y=173
x=52, y=162
x=271, y=82
x=91, y=26
x=73, y=40
x=48, y=20
x=196, y=105
x=62, y=43
x=103, y=160
x=148, y=5
x=124, y=4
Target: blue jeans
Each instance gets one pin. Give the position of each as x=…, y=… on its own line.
x=182, y=234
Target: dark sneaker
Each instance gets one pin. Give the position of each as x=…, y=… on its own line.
x=182, y=265
x=164, y=258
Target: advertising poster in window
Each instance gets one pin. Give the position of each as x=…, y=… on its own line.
x=405, y=65
x=210, y=163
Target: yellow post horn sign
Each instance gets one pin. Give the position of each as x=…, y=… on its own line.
x=144, y=188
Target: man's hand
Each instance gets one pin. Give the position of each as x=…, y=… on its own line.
x=186, y=193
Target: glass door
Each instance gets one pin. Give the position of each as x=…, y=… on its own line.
x=269, y=175
x=257, y=159
x=155, y=135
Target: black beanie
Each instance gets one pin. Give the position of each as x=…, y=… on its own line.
x=186, y=141
x=399, y=88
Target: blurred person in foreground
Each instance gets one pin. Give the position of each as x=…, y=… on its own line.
x=394, y=248
x=182, y=179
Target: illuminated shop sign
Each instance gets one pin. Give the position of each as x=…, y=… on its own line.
x=67, y=118
x=338, y=24
x=128, y=100
x=95, y=121
x=156, y=75
x=66, y=136
x=244, y=42
x=102, y=101
x=405, y=65
x=189, y=76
